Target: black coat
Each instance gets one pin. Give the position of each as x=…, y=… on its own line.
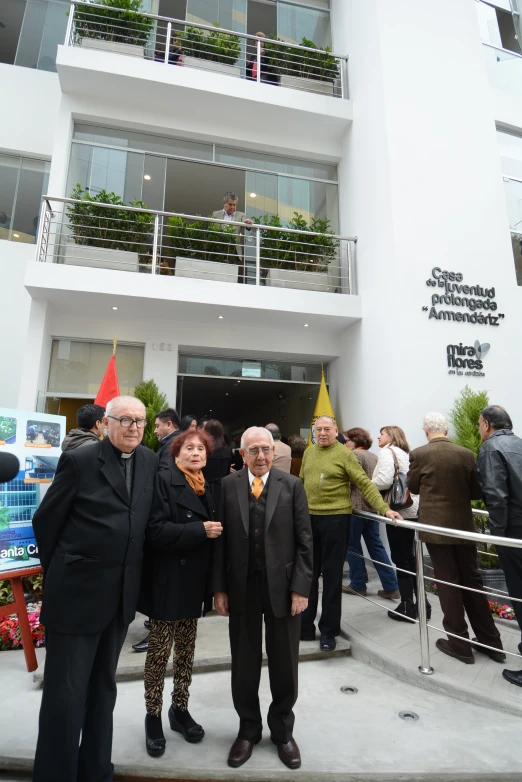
x=217, y=467
x=177, y=552
x=165, y=459
x=499, y=465
x=90, y=538
x=288, y=541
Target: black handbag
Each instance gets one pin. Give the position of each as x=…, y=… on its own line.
x=398, y=496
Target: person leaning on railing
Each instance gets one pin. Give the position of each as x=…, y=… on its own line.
x=445, y=477
x=499, y=466
x=268, y=75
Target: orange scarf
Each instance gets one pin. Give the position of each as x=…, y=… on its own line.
x=195, y=479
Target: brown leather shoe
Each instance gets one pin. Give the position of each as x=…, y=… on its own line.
x=348, y=590
x=444, y=646
x=240, y=752
x=288, y=753
x=392, y=594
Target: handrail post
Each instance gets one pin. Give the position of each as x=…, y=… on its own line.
x=425, y=666
x=155, y=245
x=343, y=77
x=258, y=256
x=167, y=43
x=39, y=236
x=258, y=58
x=70, y=21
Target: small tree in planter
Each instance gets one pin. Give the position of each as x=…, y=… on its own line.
x=217, y=45
x=202, y=241
x=111, y=229
x=154, y=401
x=118, y=20
x=311, y=250
x=288, y=61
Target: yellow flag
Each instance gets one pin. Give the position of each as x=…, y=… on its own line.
x=323, y=406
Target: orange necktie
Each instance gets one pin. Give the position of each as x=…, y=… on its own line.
x=257, y=487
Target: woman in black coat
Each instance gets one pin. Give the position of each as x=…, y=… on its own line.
x=175, y=573
x=219, y=462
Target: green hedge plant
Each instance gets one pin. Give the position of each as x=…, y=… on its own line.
x=288, y=61
x=113, y=229
x=118, y=20
x=310, y=250
x=201, y=240
x=216, y=45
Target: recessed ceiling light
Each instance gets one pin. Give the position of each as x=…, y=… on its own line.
x=239, y=381
x=16, y=236
x=306, y=325
x=115, y=308
x=220, y=317
x=147, y=177
x=226, y=393
x=253, y=195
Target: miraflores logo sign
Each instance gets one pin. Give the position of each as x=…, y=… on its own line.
x=479, y=303
x=467, y=359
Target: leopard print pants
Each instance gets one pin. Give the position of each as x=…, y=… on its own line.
x=181, y=633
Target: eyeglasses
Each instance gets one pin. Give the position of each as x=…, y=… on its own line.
x=266, y=449
x=141, y=423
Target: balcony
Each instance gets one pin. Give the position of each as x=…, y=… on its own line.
x=159, y=258
x=504, y=69
x=203, y=70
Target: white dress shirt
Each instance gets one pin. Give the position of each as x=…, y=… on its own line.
x=251, y=477
x=228, y=217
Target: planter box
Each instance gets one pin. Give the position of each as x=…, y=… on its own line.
x=310, y=85
x=99, y=258
x=210, y=65
x=113, y=46
x=304, y=281
x=494, y=577
x=206, y=270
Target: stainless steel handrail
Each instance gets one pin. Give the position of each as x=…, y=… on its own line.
x=425, y=666
x=500, y=49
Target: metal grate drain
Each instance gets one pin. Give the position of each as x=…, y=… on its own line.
x=349, y=690
x=408, y=716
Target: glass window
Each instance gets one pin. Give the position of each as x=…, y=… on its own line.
x=9, y=173
x=143, y=141
x=230, y=14
x=279, y=165
x=43, y=29
x=510, y=153
x=22, y=183
x=78, y=367
x=243, y=368
x=295, y=22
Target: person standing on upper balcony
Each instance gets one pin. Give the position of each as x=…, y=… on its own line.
x=230, y=213
x=268, y=74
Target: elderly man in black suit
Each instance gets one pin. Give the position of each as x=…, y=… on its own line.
x=90, y=529
x=263, y=566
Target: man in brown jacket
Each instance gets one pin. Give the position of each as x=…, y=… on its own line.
x=445, y=477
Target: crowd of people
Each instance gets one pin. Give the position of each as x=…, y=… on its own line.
x=197, y=525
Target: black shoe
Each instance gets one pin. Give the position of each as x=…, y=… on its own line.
x=428, y=610
x=520, y=648
x=443, y=645
x=406, y=611
x=498, y=657
x=146, y=624
x=154, y=738
x=513, y=677
x=142, y=646
x=182, y=722
x=327, y=644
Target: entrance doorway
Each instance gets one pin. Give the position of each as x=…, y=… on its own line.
x=68, y=407
x=239, y=403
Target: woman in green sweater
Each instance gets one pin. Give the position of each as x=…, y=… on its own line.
x=328, y=471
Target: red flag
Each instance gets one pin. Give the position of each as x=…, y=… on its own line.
x=109, y=386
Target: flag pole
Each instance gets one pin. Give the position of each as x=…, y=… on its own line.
x=114, y=343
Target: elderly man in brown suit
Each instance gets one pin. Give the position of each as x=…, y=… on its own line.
x=445, y=477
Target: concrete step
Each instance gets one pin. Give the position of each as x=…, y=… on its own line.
x=212, y=650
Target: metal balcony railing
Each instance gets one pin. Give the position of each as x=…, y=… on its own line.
x=175, y=42
x=107, y=236
x=475, y=537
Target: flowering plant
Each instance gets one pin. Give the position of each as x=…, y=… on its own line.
x=503, y=611
x=10, y=636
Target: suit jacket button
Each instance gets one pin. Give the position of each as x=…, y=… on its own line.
x=183, y=561
x=189, y=514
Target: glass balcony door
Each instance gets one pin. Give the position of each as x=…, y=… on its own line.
x=295, y=22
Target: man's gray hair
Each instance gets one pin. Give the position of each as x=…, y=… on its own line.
x=328, y=417
x=120, y=401
x=435, y=423
x=274, y=431
x=230, y=196
x=255, y=430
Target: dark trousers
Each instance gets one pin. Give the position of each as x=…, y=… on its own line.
x=79, y=694
x=330, y=535
x=402, y=556
x=282, y=649
x=510, y=560
x=457, y=564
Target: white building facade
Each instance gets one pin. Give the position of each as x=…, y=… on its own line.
x=414, y=148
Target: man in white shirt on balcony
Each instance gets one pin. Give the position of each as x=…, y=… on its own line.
x=229, y=212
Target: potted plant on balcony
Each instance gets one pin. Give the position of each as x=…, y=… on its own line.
x=464, y=416
x=203, y=250
x=117, y=27
x=107, y=238
x=219, y=49
x=299, y=260
x=313, y=71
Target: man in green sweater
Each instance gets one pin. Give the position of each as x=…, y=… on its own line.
x=327, y=471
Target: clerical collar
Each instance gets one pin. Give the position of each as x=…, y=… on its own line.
x=121, y=454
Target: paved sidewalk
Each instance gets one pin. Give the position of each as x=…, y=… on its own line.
x=394, y=647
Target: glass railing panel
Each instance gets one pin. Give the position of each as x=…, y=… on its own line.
x=504, y=69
